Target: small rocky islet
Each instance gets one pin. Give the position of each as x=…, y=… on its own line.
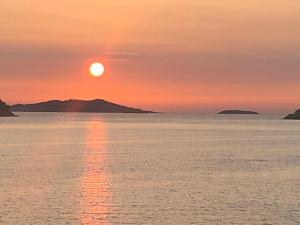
x=237, y=111
x=5, y=110
x=293, y=116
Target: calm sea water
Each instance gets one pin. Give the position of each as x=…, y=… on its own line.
x=149, y=169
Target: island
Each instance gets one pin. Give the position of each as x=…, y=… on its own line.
x=236, y=111
x=5, y=110
x=74, y=105
x=293, y=116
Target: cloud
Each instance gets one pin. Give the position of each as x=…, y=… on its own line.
x=122, y=53
x=155, y=63
x=29, y=61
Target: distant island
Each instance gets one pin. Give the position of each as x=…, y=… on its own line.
x=72, y=105
x=293, y=116
x=235, y=111
x=5, y=110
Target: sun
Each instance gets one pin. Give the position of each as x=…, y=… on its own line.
x=97, y=69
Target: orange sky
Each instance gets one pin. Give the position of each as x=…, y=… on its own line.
x=161, y=55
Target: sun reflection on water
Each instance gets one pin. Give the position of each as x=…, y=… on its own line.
x=94, y=182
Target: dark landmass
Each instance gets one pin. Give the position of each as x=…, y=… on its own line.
x=294, y=116
x=92, y=106
x=235, y=111
x=5, y=110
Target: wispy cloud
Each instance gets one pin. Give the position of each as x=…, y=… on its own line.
x=120, y=53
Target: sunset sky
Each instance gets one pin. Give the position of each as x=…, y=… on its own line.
x=165, y=55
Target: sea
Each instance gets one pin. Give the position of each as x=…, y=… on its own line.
x=149, y=169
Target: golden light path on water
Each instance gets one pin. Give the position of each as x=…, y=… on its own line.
x=94, y=182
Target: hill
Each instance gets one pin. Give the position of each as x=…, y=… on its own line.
x=92, y=106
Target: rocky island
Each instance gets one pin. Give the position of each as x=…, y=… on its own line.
x=5, y=110
x=293, y=116
x=72, y=105
x=235, y=111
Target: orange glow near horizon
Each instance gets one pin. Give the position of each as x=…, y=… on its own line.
x=166, y=97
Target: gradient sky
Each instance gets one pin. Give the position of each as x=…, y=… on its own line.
x=165, y=55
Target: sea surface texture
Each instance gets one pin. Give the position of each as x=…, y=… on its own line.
x=110, y=169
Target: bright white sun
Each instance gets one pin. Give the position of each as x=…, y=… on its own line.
x=97, y=69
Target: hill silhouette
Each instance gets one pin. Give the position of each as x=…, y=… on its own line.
x=73, y=105
x=235, y=111
x=294, y=116
x=5, y=110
